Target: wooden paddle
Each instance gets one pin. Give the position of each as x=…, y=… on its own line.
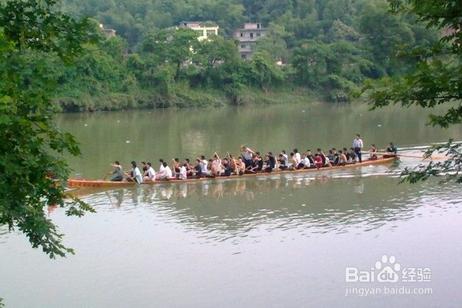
x=406, y=155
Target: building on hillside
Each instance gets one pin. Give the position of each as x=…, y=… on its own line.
x=247, y=36
x=204, y=29
x=109, y=33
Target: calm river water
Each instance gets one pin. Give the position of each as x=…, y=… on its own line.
x=282, y=241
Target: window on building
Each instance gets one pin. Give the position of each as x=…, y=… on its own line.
x=244, y=56
x=242, y=34
x=242, y=46
x=251, y=34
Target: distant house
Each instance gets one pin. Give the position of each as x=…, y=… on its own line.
x=109, y=33
x=247, y=36
x=204, y=29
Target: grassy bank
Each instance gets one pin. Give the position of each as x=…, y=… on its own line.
x=181, y=97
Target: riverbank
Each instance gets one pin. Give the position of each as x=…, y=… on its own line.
x=183, y=97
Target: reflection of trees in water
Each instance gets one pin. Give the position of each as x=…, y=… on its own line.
x=231, y=208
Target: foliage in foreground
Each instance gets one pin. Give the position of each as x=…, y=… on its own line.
x=450, y=168
x=435, y=80
x=31, y=146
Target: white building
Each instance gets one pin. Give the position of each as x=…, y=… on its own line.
x=204, y=29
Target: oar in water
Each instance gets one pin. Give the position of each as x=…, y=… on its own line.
x=407, y=155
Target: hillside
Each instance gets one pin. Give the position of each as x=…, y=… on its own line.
x=326, y=47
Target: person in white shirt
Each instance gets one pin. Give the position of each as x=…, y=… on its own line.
x=161, y=168
x=304, y=163
x=204, y=163
x=286, y=157
x=358, y=145
x=183, y=172
x=135, y=175
x=297, y=157
x=168, y=171
x=165, y=173
x=150, y=174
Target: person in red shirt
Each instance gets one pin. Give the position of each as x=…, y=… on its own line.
x=318, y=161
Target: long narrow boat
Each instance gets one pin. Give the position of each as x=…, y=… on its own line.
x=74, y=183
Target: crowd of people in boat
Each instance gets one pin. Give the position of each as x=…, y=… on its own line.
x=249, y=162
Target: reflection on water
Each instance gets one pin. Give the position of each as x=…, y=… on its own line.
x=224, y=210
x=282, y=240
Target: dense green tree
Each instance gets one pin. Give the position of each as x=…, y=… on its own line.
x=274, y=43
x=174, y=46
x=263, y=71
x=436, y=79
x=214, y=58
x=310, y=63
x=384, y=33
x=32, y=169
x=356, y=39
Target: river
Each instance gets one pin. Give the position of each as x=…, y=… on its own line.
x=279, y=241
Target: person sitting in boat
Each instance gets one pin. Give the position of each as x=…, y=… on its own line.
x=204, y=166
x=189, y=167
x=318, y=161
x=232, y=164
x=270, y=162
x=325, y=159
x=336, y=159
x=294, y=160
x=175, y=167
x=347, y=154
x=283, y=162
x=301, y=164
x=166, y=172
x=144, y=167
x=216, y=167
x=198, y=167
x=352, y=157
x=226, y=166
x=161, y=167
x=304, y=163
x=286, y=157
x=297, y=157
x=240, y=165
x=209, y=167
x=391, y=149
x=257, y=164
x=183, y=172
x=117, y=173
x=247, y=155
x=150, y=174
x=310, y=157
x=373, y=152
x=342, y=159
x=330, y=156
x=135, y=175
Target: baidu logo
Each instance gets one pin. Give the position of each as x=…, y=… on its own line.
x=387, y=277
x=388, y=270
